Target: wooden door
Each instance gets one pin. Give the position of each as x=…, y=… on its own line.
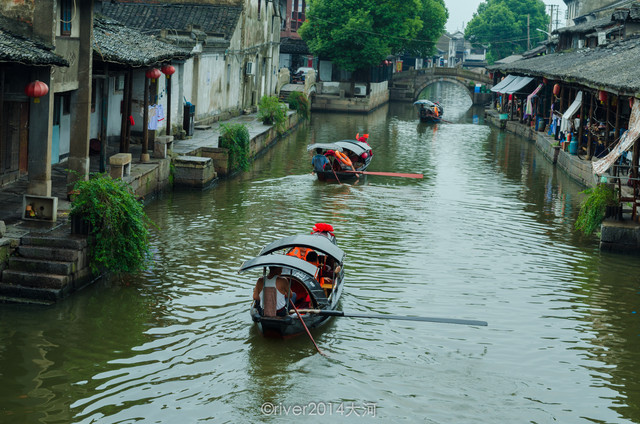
x=14, y=137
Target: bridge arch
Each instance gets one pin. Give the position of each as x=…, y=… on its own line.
x=407, y=85
x=426, y=83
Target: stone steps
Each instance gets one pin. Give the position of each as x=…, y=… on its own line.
x=45, y=269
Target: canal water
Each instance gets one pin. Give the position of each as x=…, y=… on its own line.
x=487, y=234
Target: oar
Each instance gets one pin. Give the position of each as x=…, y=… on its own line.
x=387, y=174
x=398, y=317
x=307, y=330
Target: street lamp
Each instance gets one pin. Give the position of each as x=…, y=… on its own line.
x=541, y=30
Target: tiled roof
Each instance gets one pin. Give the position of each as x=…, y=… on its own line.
x=293, y=46
x=116, y=43
x=153, y=17
x=614, y=66
x=19, y=49
x=586, y=26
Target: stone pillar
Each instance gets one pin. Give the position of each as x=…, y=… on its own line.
x=81, y=114
x=40, y=133
x=41, y=114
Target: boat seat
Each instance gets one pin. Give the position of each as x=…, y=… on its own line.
x=327, y=285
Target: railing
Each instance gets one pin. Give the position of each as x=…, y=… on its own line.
x=452, y=72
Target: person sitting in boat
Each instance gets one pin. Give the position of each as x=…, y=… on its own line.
x=271, y=295
x=320, y=162
x=423, y=111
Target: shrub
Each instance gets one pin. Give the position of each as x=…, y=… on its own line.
x=593, y=208
x=272, y=112
x=235, y=137
x=119, y=227
x=300, y=103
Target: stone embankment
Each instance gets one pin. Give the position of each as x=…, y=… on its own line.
x=617, y=235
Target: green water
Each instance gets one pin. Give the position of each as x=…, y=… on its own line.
x=487, y=234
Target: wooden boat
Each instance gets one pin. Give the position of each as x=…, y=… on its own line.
x=428, y=111
x=317, y=284
x=359, y=154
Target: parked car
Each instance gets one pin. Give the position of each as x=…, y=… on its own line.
x=298, y=76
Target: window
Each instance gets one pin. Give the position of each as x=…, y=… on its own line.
x=66, y=103
x=66, y=16
x=297, y=14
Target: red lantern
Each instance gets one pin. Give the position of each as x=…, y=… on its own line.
x=556, y=89
x=36, y=89
x=545, y=81
x=153, y=74
x=602, y=96
x=168, y=70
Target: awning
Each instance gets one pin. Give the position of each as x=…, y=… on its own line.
x=626, y=142
x=517, y=85
x=506, y=81
x=565, y=125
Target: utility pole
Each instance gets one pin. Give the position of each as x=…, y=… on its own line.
x=528, y=34
x=551, y=18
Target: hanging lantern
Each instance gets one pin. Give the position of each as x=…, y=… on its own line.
x=36, y=89
x=602, y=96
x=545, y=81
x=556, y=89
x=168, y=70
x=153, y=74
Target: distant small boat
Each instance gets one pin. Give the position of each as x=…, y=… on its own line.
x=429, y=111
x=357, y=153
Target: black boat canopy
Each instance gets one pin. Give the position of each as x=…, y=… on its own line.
x=314, y=242
x=324, y=146
x=284, y=261
x=424, y=102
x=357, y=147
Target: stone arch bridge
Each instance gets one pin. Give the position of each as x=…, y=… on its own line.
x=406, y=86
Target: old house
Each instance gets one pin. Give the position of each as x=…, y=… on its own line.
x=234, y=45
x=294, y=52
x=55, y=49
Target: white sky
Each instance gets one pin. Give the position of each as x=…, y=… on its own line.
x=461, y=12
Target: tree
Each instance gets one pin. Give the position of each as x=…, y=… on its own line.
x=356, y=34
x=502, y=24
x=434, y=15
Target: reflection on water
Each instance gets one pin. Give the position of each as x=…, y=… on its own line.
x=487, y=234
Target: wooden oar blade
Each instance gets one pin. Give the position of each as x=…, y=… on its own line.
x=424, y=319
x=396, y=317
x=386, y=174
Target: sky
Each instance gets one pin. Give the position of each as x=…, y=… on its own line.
x=461, y=12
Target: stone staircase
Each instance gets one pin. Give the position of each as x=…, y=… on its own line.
x=45, y=269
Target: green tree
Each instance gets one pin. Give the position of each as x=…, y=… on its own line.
x=356, y=34
x=502, y=24
x=434, y=15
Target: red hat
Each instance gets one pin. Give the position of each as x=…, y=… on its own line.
x=321, y=227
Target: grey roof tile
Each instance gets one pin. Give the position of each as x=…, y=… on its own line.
x=612, y=66
x=116, y=43
x=153, y=17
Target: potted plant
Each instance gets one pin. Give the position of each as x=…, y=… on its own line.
x=272, y=112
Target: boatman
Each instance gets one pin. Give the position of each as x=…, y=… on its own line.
x=272, y=294
x=320, y=162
